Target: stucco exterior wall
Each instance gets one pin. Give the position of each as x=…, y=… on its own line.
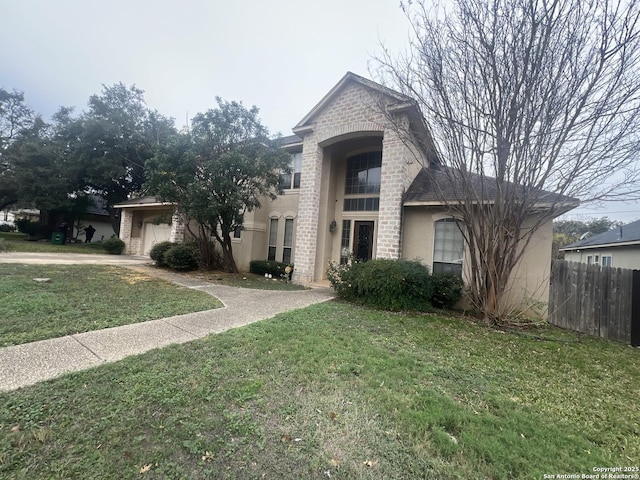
x=529, y=284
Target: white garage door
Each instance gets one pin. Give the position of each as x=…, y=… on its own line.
x=155, y=234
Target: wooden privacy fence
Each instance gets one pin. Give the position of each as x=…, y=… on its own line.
x=600, y=301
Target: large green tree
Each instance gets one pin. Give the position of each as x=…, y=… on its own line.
x=16, y=119
x=112, y=141
x=218, y=171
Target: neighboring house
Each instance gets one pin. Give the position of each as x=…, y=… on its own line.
x=356, y=188
x=619, y=247
x=9, y=217
x=97, y=216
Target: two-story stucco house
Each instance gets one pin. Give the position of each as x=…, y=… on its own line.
x=356, y=187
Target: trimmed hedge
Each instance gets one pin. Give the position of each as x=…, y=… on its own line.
x=113, y=246
x=181, y=258
x=276, y=269
x=158, y=250
x=394, y=285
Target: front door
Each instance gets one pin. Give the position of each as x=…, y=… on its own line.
x=363, y=241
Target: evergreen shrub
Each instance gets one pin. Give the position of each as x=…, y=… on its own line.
x=113, y=246
x=181, y=258
x=385, y=284
x=158, y=250
x=271, y=267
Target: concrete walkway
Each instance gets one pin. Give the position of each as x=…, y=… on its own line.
x=27, y=364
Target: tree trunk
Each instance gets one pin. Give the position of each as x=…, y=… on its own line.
x=227, y=254
x=227, y=251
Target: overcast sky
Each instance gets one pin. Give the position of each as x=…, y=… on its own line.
x=281, y=55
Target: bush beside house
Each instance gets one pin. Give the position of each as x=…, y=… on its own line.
x=158, y=250
x=113, y=246
x=270, y=267
x=394, y=285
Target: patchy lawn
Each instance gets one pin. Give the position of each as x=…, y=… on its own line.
x=81, y=298
x=17, y=242
x=337, y=391
x=246, y=280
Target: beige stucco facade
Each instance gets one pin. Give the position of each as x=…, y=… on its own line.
x=530, y=278
x=330, y=221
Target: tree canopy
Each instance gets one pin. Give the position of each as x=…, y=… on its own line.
x=60, y=166
x=218, y=171
x=15, y=119
x=531, y=105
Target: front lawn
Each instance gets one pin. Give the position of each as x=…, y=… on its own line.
x=80, y=298
x=337, y=391
x=17, y=242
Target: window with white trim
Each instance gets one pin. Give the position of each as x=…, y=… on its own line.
x=288, y=240
x=292, y=180
x=448, y=247
x=273, y=239
x=606, y=260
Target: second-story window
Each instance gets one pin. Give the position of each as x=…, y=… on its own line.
x=292, y=180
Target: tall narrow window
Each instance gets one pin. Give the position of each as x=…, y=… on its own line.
x=288, y=240
x=448, y=247
x=273, y=239
x=344, y=242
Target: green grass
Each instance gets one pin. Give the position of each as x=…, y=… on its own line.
x=81, y=298
x=17, y=242
x=340, y=389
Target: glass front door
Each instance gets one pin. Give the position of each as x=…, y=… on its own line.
x=363, y=241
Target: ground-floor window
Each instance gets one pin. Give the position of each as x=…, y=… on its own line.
x=280, y=246
x=606, y=260
x=288, y=240
x=448, y=247
x=345, y=252
x=273, y=239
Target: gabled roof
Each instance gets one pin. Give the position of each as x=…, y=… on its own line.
x=289, y=141
x=626, y=235
x=147, y=201
x=401, y=99
x=433, y=186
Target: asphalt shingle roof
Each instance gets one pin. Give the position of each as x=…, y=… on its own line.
x=437, y=185
x=627, y=233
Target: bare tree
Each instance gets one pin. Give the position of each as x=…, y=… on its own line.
x=531, y=105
